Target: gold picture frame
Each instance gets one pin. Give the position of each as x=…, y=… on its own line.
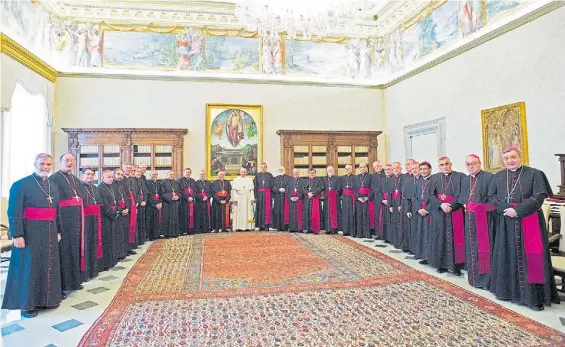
x=503, y=126
x=234, y=139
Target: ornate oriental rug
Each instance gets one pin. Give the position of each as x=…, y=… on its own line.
x=279, y=289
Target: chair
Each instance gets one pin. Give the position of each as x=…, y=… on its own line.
x=558, y=263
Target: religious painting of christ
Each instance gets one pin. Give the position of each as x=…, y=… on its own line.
x=234, y=139
x=502, y=127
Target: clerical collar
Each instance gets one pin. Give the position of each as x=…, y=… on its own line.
x=477, y=174
x=447, y=174
x=516, y=169
x=427, y=177
x=64, y=173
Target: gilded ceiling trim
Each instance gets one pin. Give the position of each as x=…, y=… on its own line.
x=17, y=52
x=213, y=79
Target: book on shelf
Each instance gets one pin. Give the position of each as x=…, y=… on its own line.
x=86, y=162
x=344, y=160
x=143, y=148
x=363, y=149
x=319, y=160
x=163, y=161
x=344, y=149
x=142, y=160
x=319, y=149
x=163, y=149
x=89, y=149
x=112, y=161
x=162, y=174
x=110, y=149
x=301, y=149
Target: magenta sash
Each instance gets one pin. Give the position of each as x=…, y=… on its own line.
x=396, y=196
x=40, y=213
x=458, y=223
x=367, y=191
x=132, y=218
x=267, y=193
x=77, y=202
x=332, y=197
x=315, y=221
x=483, y=243
x=286, y=209
x=94, y=210
x=533, y=247
x=299, y=211
x=190, y=191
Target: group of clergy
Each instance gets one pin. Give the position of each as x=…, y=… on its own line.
x=66, y=229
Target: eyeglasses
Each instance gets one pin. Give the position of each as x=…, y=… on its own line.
x=472, y=163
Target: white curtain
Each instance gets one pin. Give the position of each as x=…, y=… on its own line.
x=24, y=135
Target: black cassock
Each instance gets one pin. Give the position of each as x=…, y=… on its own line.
x=332, y=205
x=379, y=210
x=263, y=183
x=405, y=241
x=153, y=216
x=72, y=238
x=364, y=211
x=395, y=225
x=93, y=236
x=170, y=218
x=122, y=224
x=34, y=275
x=280, y=200
x=221, y=191
x=312, y=207
x=516, y=275
x=409, y=206
x=203, y=207
x=187, y=213
x=347, y=205
x=141, y=197
x=448, y=246
x=474, y=194
x=385, y=210
x=111, y=238
x=296, y=210
x=130, y=183
x=421, y=225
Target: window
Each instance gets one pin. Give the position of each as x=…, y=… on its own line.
x=24, y=135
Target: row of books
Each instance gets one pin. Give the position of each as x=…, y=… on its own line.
x=140, y=160
x=89, y=161
x=144, y=149
x=91, y=149
x=163, y=161
x=112, y=161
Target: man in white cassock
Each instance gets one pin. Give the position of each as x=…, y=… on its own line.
x=243, y=199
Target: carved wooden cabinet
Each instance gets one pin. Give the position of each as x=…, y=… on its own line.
x=109, y=148
x=318, y=149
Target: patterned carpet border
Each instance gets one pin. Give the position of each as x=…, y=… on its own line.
x=104, y=327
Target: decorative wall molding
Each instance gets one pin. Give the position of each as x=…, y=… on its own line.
x=436, y=126
x=17, y=52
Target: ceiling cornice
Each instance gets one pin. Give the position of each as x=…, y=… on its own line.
x=552, y=6
x=17, y=52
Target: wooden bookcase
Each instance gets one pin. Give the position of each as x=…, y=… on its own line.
x=318, y=149
x=109, y=148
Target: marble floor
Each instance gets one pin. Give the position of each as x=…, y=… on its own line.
x=66, y=325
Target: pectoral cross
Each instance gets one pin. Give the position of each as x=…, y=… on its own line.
x=77, y=197
x=508, y=199
x=50, y=198
x=396, y=191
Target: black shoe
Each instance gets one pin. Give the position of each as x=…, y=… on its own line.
x=537, y=308
x=30, y=313
x=132, y=252
x=457, y=273
x=441, y=270
x=423, y=262
x=63, y=295
x=80, y=287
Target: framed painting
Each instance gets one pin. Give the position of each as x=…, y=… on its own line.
x=234, y=139
x=502, y=127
